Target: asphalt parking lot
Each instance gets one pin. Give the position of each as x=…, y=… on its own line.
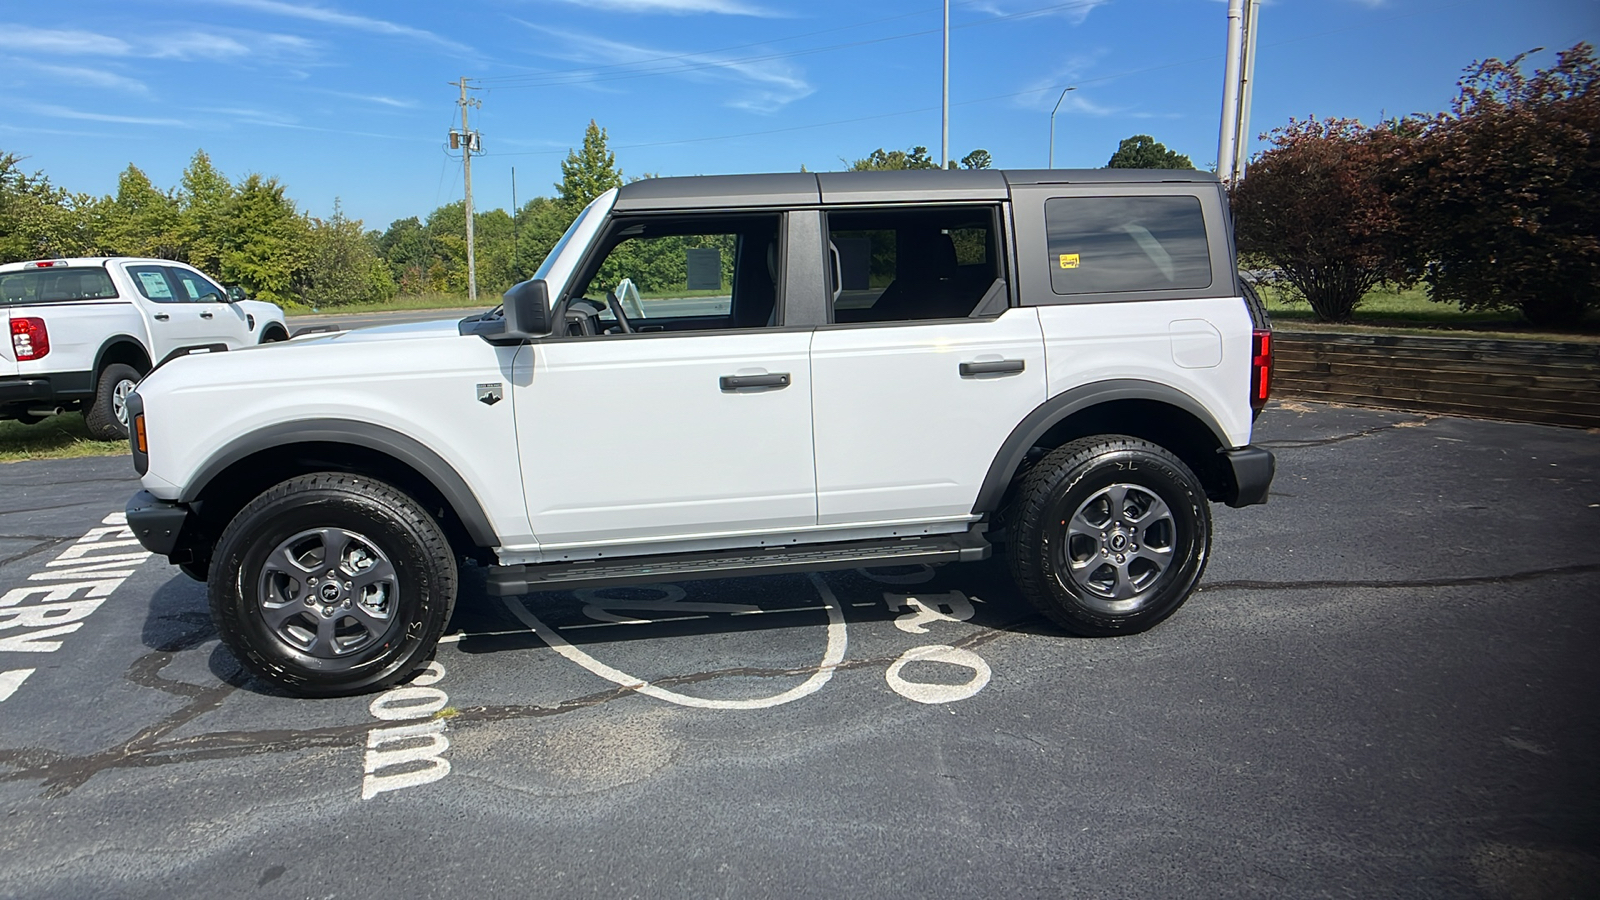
x=1387, y=686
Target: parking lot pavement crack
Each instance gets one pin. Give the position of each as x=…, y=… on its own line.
x=44, y=544
x=62, y=773
x=1341, y=438
x=1461, y=581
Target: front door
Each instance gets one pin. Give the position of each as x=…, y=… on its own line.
x=689, y=418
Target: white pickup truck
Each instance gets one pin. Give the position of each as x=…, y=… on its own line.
x=737, y=375
x=84, y=331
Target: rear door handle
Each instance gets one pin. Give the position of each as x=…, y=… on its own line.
x=205, y=315
x=738, y=382
x=161, y=317
x=992, y=367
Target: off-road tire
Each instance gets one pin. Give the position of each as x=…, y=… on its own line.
x=101, y=416
x=1074, y=478
x=424, y=577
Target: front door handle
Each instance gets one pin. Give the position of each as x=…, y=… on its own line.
x=205, y=315
x=161, y=317
x=739, y=382
x=992, y=367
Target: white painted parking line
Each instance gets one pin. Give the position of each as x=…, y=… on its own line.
x=10, y=681
x=74, y=585
x=832, y=656
x=633, y=622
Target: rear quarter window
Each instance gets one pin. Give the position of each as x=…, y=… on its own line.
x=1101, y=245
x=56, y=284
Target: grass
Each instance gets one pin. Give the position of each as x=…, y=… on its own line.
x=1390, y=310
x=58, y=437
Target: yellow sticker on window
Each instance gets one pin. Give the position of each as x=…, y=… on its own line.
x=1069, y=260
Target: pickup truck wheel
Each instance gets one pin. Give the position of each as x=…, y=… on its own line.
x=331, y=584
x=1110, y=535
x=107, y=416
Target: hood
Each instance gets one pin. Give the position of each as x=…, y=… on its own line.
x=401, y=332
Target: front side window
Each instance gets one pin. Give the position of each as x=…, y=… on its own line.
x=1118, y=244
x=153, y=283
x=911, y=263
x=196, y=289
x=681, y=274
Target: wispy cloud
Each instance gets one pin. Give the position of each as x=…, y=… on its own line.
x=767, y=85
x=62, y=112
x=179, y=45
x=1074, y=11
x=681, y=7
x=328, y=16
x=374, y=98
x=95, y=78
x=1043, y=92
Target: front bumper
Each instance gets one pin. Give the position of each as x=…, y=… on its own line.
x=1252, y=469
x=157, y=523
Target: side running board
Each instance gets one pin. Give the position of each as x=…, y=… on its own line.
x=507, y=581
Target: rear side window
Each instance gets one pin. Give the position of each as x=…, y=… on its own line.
x=1114, y=244
x=55, y=284
x=153, y=283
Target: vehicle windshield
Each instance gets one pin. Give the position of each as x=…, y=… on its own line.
x=56, y=284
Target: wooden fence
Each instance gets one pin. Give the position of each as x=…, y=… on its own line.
x=1521, y=381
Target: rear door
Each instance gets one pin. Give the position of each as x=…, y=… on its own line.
x=924, y=370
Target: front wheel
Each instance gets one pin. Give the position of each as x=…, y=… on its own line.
x=331, y=584
x=1110, y=535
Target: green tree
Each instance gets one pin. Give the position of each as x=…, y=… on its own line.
x=141, y=220
x=1144, y=152
x=890, y=160
x=341, y=266
x=39, y=220
x=588, y=174
x=1503, y=191
x=977, y=159
x=204, y=198
x=409, y=253
x=266, y=242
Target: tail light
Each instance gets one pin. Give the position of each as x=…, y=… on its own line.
x=1260, y=368
x=29, y=338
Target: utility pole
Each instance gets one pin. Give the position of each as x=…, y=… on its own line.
x=1233, y=145
x=944, y=131
x=467, y=140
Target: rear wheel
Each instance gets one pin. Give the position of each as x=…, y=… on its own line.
x=107, y=416
x=332, y=584
x=1110, y=535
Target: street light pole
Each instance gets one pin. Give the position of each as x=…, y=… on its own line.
x=944, y=120
x=1053, y=125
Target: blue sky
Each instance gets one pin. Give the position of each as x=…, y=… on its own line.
x=349, y=99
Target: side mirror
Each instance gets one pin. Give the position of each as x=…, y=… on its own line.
x=527, y=307
x=235, y=294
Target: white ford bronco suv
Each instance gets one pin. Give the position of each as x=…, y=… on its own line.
x=84, y=331
x=736, y=375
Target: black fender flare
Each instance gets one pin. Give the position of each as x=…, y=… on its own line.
x=107, y=345
x=1047, y=414
x=444, y=478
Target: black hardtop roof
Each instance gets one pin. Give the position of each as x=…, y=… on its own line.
x=811, y=188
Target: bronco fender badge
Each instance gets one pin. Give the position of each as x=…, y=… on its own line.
x=489, y=394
